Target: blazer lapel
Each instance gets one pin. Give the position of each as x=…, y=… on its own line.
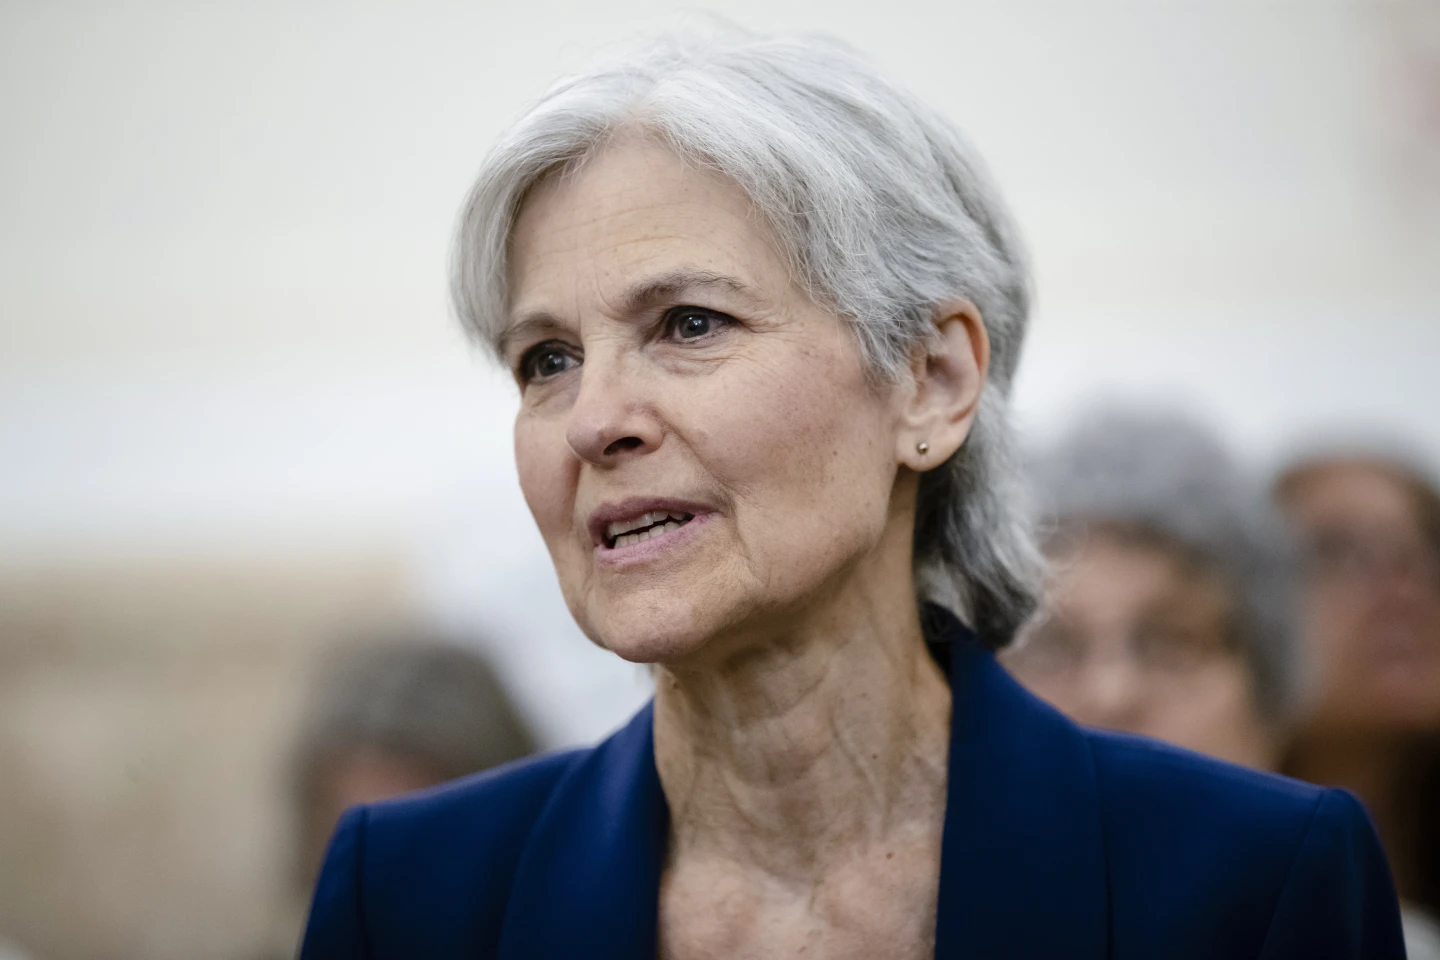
x=1022, y=860
x=588, y=884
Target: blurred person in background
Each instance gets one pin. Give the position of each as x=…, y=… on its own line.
x=1371, y=523
x=1169, y=609
x=387, y=716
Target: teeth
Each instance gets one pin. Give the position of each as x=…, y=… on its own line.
x=631, y=539
x=621, y=527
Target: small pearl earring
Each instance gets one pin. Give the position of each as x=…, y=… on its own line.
x=922, y=447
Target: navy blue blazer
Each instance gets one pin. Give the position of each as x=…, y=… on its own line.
x=1059, y=842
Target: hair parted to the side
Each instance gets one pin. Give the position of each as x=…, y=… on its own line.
x=885, y=213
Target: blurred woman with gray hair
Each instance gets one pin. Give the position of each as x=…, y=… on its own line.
x=763, y=309
x=1170, y=611
x=387, y=714
x=391, y=714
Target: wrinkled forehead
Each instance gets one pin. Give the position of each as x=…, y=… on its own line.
x=587, y=236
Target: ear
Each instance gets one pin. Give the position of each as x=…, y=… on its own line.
x=948, y=373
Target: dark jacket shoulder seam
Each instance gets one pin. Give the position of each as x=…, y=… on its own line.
x=574, y=760
x=362, y=825
x=1294, y=866
x=1104, y=843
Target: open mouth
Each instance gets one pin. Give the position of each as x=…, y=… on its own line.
x=656, y=523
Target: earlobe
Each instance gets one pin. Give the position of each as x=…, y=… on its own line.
x=949, y=372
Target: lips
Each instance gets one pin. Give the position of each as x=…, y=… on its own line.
x=630, y=523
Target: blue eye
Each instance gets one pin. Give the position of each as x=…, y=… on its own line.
x=693, y=323
x=546, y=360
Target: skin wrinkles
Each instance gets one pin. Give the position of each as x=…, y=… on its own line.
x=801, y=729
x=672, y=289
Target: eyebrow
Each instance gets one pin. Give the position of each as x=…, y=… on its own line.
x=668, y=288
x=644, y=295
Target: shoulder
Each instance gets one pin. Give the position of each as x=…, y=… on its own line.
x=488, y=807
x=437, y=873
x=1173, y=818
x=1148, y=782
x=1254, y=862
x=438, y=861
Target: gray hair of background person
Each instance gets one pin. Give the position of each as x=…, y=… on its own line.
x=884, y=212
x=418, y=697
x=1163, y=478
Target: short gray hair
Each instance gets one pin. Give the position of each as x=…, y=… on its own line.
x=1165, y=478
x=410, y=694
x=415, y=695
x=884, y=211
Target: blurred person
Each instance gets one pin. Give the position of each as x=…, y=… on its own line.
x=392, y=715
x=1371, y=521
x=763, y=308
x=1170, y=607
x=389, y=715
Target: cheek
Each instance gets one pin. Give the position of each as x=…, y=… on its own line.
x=804, y=430
x=546, y=473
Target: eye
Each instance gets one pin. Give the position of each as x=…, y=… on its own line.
x=546, y=360
x=693, y=323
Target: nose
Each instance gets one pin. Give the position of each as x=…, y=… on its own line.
x=611, y=420
x=1112, y=693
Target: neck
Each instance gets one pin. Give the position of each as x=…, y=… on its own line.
x=826, y=736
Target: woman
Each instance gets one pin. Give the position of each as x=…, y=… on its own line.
x=1170, y=607
x=1372, y=522
x=392, y=713
x=764, y=310
x=385, y=715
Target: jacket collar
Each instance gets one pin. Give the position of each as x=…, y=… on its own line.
x=1022, y=863
x=1022, y=858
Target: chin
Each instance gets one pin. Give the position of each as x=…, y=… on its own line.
x=655, y=627
x=654, y=639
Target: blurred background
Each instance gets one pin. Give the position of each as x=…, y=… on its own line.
x=238, y=426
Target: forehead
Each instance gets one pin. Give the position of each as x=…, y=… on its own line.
x=630, y=212
x=1356, y=494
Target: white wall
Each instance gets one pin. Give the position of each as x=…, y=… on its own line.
x=223, y=229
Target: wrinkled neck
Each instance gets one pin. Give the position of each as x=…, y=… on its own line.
x=825, y=735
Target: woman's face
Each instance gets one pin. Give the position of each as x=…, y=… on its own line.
x=697, y=440
x=1373, y=612
x=1135, y=639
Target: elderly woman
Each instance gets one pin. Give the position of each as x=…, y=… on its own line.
x=1170, y=608
x=763, y=309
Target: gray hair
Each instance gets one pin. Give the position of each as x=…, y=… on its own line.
x=1165, y=478
x=415, y=696
x=410, y=695
x=884, y=212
